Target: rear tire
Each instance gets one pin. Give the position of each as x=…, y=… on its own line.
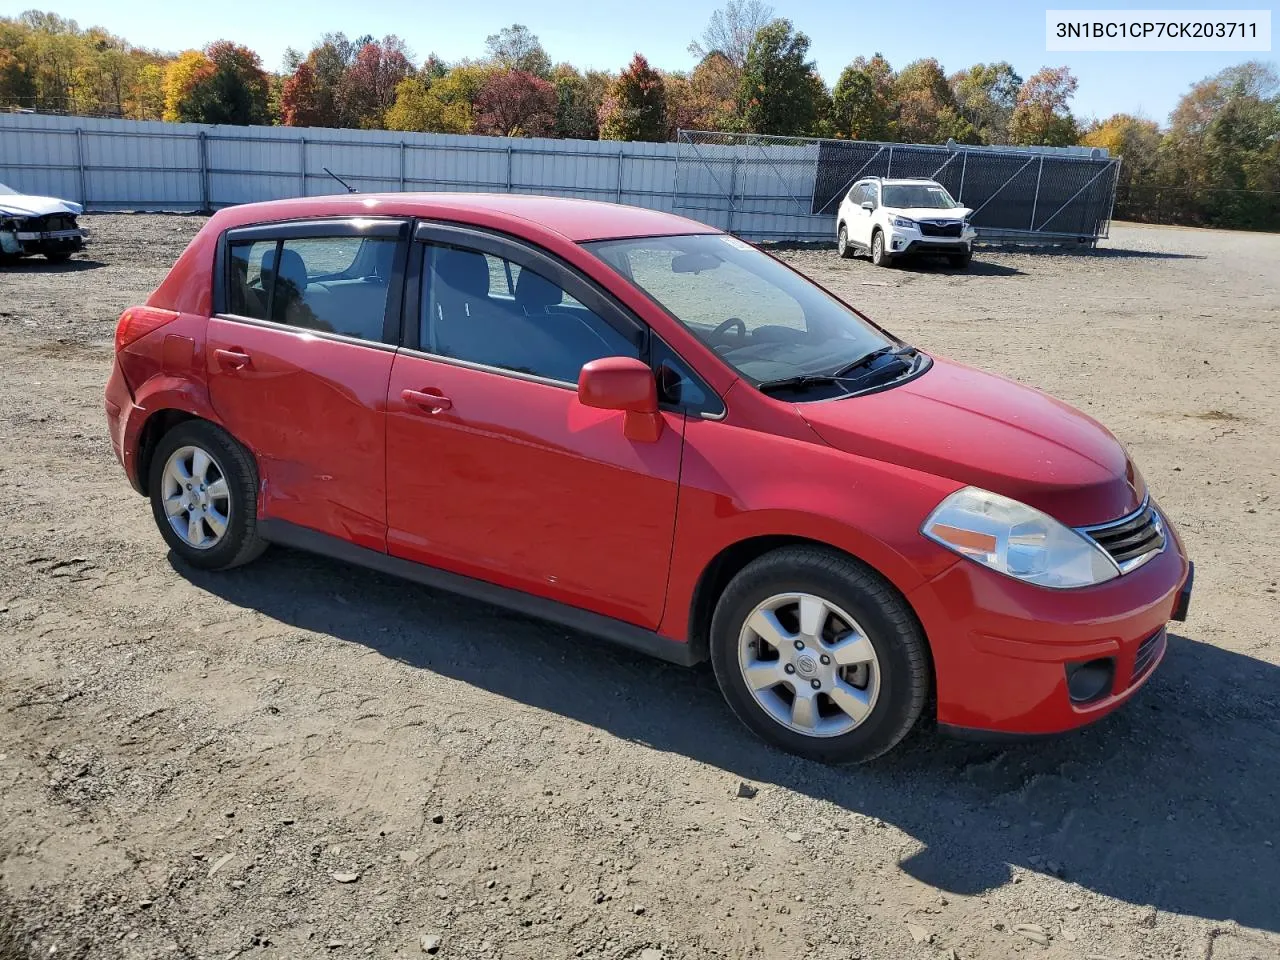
x=204, y=496
x=878, y=254
x=843, y=247
x=847, y=674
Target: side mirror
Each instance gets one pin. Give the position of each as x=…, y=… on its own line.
x=626, y=384
x=868, y=205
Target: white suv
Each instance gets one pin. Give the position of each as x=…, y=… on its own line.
x=895, y=218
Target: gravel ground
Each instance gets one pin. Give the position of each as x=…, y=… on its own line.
x=301, y=759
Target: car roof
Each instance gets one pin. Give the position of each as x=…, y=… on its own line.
x=575, y=220
x=896, y=180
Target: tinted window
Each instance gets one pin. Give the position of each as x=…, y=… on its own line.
x=485, y=309
x=248, y=296
x=858, y=194
x=678, y=385
x=332, y=284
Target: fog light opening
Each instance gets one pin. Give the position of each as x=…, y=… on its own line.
x=1090, y=680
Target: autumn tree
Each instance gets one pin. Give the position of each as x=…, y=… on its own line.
x=927, y=110
x=1041, y=115
x=517, y=48
x=635, y=107
x=779, y=91
x=862, y=103
x=731, y=31
x=223, y=84
x=986, y=95
x=368, y=88
x=705, y=100
x=514, y=103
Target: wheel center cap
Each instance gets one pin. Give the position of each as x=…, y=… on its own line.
x=806, y=666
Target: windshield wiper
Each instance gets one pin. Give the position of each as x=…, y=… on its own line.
x=838, y=376
x=867, y=359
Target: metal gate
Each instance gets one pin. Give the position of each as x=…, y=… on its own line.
x=789, y=188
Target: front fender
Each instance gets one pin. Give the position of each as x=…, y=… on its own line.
x=735, y=488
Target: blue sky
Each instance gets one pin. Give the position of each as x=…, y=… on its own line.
x=605, y=33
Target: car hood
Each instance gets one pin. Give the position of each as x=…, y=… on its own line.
x=21, y=205
x=933, y=213
x=980, y=429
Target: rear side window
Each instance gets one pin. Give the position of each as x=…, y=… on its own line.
x=330, y=284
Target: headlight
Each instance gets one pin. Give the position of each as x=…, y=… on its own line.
x=904, y=222
x=1016, y=540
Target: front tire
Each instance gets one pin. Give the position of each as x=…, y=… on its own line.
x=817, y=654
x=878, y=255
x=57, y=257
x=204, y=496
x=843, y=247
x=960, y=260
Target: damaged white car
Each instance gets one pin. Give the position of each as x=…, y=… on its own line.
x=38, y=225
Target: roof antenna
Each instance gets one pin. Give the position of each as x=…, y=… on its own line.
x=350, y=188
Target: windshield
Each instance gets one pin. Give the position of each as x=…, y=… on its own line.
x=7, y=191
x=764, y=320
x=918, y=195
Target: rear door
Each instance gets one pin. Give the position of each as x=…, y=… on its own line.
x=299, y=354
x=495, y=470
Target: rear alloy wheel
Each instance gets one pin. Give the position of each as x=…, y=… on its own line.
x=819, y=656
x=878, y=255
x=203, y=488
x=843, y=247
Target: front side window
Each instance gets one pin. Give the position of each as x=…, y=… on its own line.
x=764, y=320
x=331, y=284
x=486, y=309
x=927, y=195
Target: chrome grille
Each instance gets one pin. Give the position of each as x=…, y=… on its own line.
x=943, y=229
x=1130, y=541
x=1148, y=653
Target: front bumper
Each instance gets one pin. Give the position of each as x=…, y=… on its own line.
x=1001, y=647
x=904, y=242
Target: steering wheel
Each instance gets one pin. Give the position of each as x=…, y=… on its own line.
x=728, y=325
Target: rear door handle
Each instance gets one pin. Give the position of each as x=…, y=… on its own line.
x=426, y=400
x=233, y=359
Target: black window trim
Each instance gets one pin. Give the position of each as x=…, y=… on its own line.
x=395, y=228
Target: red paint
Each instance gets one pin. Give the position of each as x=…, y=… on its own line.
x=595, y=499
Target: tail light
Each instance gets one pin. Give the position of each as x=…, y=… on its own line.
x=137, y=322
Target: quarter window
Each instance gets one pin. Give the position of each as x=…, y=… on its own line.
x=331, y=284
x=486, y=309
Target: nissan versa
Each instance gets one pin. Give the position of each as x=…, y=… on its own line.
x=632, y=424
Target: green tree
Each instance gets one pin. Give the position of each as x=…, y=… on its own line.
x=777, y=93
x=862, y=103
x=635, y=107
x=578, y=100
x=517, y=48
x=419, y=106
x=986, y=94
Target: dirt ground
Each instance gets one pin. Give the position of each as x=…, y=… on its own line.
x=301, y=759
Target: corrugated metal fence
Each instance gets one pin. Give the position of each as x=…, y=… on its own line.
x=146, y=165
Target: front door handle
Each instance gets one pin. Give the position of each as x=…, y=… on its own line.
x=427, y=400
x=233, y=359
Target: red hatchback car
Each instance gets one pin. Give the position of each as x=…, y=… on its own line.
x=635, y=425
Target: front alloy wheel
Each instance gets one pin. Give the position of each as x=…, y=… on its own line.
x=819, y=655
x=878, y=255
x=809, y=665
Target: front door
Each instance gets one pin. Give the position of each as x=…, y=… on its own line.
x=495, y=470
x=298, y=360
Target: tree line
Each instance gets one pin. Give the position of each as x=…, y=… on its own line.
x=1217, y=161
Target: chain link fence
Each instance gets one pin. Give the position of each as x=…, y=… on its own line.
x=790, y=187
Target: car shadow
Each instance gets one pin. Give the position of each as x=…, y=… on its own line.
x=1170, y=802
x=41, y=265
x=977, y=267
